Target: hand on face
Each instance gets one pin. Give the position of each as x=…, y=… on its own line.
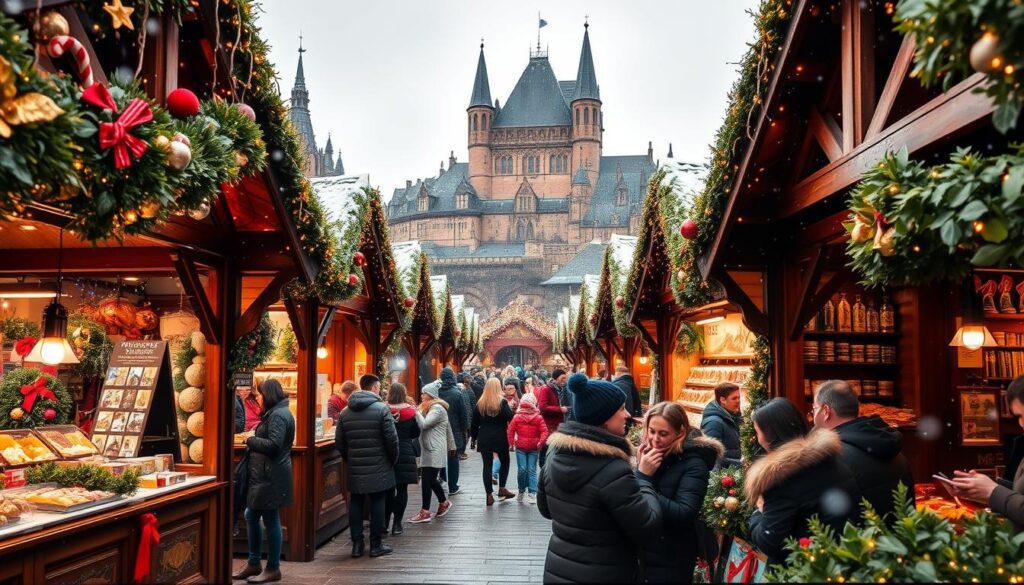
x=650, y=460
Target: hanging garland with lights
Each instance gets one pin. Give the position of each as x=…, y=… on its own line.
x=953, y=39
x=31, y=398
x=15, y=328
x=620, y=307
x=237, y=123
x=911, y=224
x=757, y=394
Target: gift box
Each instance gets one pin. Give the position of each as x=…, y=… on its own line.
x=14, y=478
x=162, y=479
x=745, y=564
x=164, y=462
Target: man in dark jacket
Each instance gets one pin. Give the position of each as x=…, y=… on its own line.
x=722, y=421
x=601, y=513
x=624, y=380
x=871, y=448
x=469, y=398
x=459, y=419
x=368, y=442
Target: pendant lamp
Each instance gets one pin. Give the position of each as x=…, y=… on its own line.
x=53, y=348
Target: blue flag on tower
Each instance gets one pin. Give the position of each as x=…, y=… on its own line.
x=542, y=23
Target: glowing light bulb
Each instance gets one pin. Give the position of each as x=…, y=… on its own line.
x=973, y=338
x=52, y=350
x=321, y=352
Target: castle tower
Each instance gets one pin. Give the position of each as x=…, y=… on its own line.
x=580, y=196
x=479, y=116
x=298, y=113
x=586, y=114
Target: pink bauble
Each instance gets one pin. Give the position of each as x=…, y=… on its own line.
x=49, y=414
x=182, y=103
x=247, y=110
x=353, y=279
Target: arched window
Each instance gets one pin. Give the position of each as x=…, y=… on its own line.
x=520, y=232
x=577, y=117
x=484, y=119
x=531, y=165
x=553, y=164
x=586, y=116
x=593, y=114
x=621, y=196
x=529, y=231
x=474, y=122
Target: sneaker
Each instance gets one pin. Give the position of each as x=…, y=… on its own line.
x=519, y=497
x=443, y=508
x=421, y=516
x=455, y=491
x=531, y=498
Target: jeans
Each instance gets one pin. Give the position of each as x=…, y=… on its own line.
x=272, y=522
x=502, y=472
x=526, y=470
x=395, y=504
x=451, y=473
x=495, y=468
x=428, y=483
x=356, y=514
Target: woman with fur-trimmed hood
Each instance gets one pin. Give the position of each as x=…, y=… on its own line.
x=677, y=460
x=801, y=476
x=436, y=442
x=601, y=513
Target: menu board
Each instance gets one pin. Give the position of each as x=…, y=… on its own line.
x=138, y=377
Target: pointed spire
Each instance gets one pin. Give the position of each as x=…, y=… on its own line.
x=670, y=150
x=586, y=78
x=300, y=74
x=481, y=88
x=329, y=148
x=650, y=149
x=339, y=168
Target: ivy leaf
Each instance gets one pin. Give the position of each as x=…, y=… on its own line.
x=889, y=544
x=948, y=232
x=989, y=255
x=995, y=230
x=1014, y=184
x=974, y=210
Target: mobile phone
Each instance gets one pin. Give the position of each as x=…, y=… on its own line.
x=943, y=479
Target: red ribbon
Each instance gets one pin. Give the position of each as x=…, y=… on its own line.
x=748, y=566
x=24, y=346
x=150, y=538
x=116, y=134
x=33, y=391
x=880, y=220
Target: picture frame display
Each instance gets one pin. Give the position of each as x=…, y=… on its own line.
x=979, y=415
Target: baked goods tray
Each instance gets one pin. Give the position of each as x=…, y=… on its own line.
x=58, y=508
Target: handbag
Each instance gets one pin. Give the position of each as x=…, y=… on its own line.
x=241, y=486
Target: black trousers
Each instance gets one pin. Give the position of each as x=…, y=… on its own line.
x=451, y=473
x=543, y=454
x=488, y=457
x=395, y=504
x=355, y=516
x=429, y=483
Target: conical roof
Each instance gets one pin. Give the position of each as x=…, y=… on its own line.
x=536, y=99
x=586, y=78
x=481, y=87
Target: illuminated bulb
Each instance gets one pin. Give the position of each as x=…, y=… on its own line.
x=979, y=226
x=52, y=350
x=321, y=352
x=644, y=359
x=973, y=338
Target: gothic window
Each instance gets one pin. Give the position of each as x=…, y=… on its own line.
x=593, y=114
x=474, y=122
x=462, y=200
x=423, y=203
x=586, y=116
x=532, y=165
x=421, y=230
x=577, y=117
x=615, y=219
x=529, y=231
x=484, y=123
x=552, y=164
x=505, y=165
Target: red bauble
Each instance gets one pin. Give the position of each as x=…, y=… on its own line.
x=353, y=279
x=728, y=481
x=620, y=302
x=458, y=333
x=182, y=103
x=359, y=258
x=409, y=302
x=49, y=414
x=688, y=229
x=247, y=110
x=593, y=319
x=732, y=492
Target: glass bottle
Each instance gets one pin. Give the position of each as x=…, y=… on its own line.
x=844, y=315
x=872, y=317
x=860, y=318
x=829, y=311
x=887, y=316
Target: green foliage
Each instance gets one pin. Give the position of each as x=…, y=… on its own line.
x=182, y=360
x=716, y=515
x=91, y=344
x=287, y=349
x=11, y=398
x=920, y=546
x=90, y=477
x=944, y=220
x=944, y=32
x=245, y=135
x=757, y=395
x=213, y=162
x=255, y=347
x=690, y=339
x=14, y=328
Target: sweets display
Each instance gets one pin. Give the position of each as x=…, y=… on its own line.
x=11, y=508
x=67, y=440
x=893, y=416
x=60, y=499
x=21, y=447
x=713, y=375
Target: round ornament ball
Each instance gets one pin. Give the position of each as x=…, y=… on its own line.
x=984, y=53
x=182, y=103
x=162, y=142
x=199, y=359
x=458, y=333
x=179, y=156
x=732, y=504
x=719, y=502
x=49, y=414
x=52, y=24
x=191, y=399
x=195, y=375
x=688, y=229
x=728, y=481
x=620, y=302
x=195, y=451
x=201, y=212
x=182, y=138
x=17, y=413
x=247, y=111
x=353, y=279
x=680, y=275
x=409, y=302
x=732, y=492
x=198, y=342
x=359, y=258
x=195, y=423
x=149, y=209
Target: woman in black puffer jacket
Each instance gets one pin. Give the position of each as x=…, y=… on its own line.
x=408, y=427
x=601, y=513
x=678, y=462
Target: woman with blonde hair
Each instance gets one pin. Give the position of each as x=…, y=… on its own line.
x=490, y=430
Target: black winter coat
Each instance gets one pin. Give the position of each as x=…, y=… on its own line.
x=871, y=449
x=367, y=440
x=270, y=459
x=491, y=432
x=681, y=483
x=718, y=423
x=800, y=479
x=408, y=434
x=601, y=513
x=628, y=386
x=458, y=415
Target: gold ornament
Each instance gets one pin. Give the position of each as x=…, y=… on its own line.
x=149, y=209
x=884, y=242
x=180, y=156
x=862, y=230
x=130, y=217
x=200, y=213
x=984, y=53
x=51, y=24
x=15, y=109
x=719, y=502
x=240, y=159
x=163, y=143
x=732, y=504
x=17, y=413
x=120, y=15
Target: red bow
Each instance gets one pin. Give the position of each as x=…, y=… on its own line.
x=880, y=220
x=33, y=391
x=116, y=134
x=24, y=346
x=747, y=566
x=150, y=538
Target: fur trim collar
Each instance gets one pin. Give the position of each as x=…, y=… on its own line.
x=698, y=440
x=589, y=440
x=789, y=459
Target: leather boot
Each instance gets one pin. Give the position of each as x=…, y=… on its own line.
x=490, y=499
x=380, y=549
x=505, y=494
x=267, y=576
x=396, y=529
x=247, y=571
x=357, y=549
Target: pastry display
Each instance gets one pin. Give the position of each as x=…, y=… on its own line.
x=21, y=447
x=11, y=508
x=67, y=440
x=893, y=416
x=713, y=375
x=61, y=499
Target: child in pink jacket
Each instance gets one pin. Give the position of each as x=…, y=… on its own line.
x=527, y=433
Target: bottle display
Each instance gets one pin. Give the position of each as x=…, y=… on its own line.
x=829, y=316
x=871, y=317
x=887, y=316
x=844, y=314
x=860, y=318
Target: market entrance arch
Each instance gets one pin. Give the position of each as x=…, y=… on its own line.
x=515, y=355
x=518, y=334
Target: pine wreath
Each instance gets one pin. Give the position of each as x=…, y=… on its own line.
x=90, y=343
x=14, y=328
x=213, y=162
x=12, y=400
x=287, y=346
x=725, y=508
x=245, y=135
x=253, y=348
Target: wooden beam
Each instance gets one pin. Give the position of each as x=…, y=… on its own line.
x=826, y=133
x=295, y=317
x=940, y=119
x=356, y=306
x=79, y=261
x=858, y=70
x=753, y=318
x=325, y=326
x=193, y=287
x=808, y=286
x=307, y=270
x=898, y=75
x=268, y=296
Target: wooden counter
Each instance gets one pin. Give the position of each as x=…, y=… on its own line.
x=100, y=545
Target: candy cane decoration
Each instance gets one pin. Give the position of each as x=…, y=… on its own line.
x=64, y=44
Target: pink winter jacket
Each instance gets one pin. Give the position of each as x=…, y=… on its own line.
x=527, y=431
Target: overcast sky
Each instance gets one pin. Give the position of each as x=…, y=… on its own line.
x=390, y=81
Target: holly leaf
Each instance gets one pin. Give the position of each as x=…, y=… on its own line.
x=948, y=232
x=974, y=210
x=989, y=255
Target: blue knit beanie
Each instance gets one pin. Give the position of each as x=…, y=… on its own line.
x=594, y=401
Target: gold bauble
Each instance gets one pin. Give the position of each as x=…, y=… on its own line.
x=719, y=502
x=17, y=413
x=198, y=342
x=180, y=155
x=201, y=212
x=984, y=53
x=240, y=159
x=150, y=209
x=732, y=504
x=130, y=217
x=52, y=24
x=862, y=231
x=163, y=143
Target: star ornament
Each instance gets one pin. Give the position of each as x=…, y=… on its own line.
x=120, y=14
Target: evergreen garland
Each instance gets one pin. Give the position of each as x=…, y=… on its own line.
x=287, y=349
x=690, y=339
x=254, y=348
x=90, y=477
x=14, y=328
x=11, y=400
x=91, y=345
x=213, y=163
x=757, y=395
x=721, y=514
x=245, y=135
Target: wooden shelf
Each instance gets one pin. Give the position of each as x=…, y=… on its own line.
x=848, y=334
x=693, y=406
x=1004, y=316
x=856, y=364
x=710, y=384
x=994, y=348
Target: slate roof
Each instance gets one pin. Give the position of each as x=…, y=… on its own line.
x=481, y=88
x=636, y=170
x=586, y=79
x=587, y=261
x=486, y=250
x=536, y=100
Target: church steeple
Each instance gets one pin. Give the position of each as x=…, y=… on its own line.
x=586, y=78
x=481, y=88
x=339, y=168
x=298, y=113
x=300, y=97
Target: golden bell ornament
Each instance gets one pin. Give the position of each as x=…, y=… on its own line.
x=732, y=504
x=149, y=209
x=51, y=24
x=984, y=54
x=201, y=212
x=884, y=242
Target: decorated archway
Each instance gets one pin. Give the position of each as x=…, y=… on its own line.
x=518, y=334
x=516, y=355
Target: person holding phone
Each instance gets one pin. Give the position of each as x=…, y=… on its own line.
x=1002, y=496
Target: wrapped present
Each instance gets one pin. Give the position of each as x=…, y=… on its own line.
x=745, y=564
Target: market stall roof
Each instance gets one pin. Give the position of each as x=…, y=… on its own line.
x=414, y=269
x=517, y=312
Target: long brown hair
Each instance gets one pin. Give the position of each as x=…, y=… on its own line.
x=397, y=394
x=490, y=401
x=674, y=415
